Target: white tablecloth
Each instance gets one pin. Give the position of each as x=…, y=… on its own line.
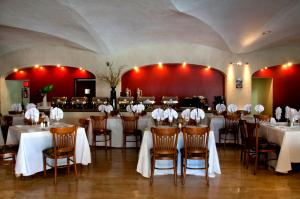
x=115, y=125
x=289, y=140
x=18, y=119
x=144, y=161
x=33, y=140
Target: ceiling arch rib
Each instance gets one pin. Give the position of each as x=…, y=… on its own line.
x=51, y=18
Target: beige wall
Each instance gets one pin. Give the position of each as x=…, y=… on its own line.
x=262, y=93
x=149, y=54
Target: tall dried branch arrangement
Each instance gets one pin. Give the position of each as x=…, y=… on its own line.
x=113, y=76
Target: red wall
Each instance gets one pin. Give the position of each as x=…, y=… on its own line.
x=175, y=80
x=286, y=82
x=61, y=77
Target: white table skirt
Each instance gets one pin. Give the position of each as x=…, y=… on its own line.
x=289, y=140
x=32, y=141
x=1, y=138
x=115, y=125
x=144, y=161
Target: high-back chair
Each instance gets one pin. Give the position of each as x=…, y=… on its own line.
x=7, y=121
x=231, y=127
x=99, y=126
x=261, y=118
x=195, y=147
x=164, y=148
x=130, y=123
x=257, y=146
x=64, y=143
x=84, y=123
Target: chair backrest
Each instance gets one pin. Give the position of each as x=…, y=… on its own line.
x=7, y=120
x=232, y=121
x=30, y=122
x=64, y=139
x=84, y=123
x=129, y=123
x=261, y=118
x=195, y=138
x=252, y=134
x=99, y=122
x=164, y=139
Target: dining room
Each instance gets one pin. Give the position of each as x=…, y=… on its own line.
x=160, y=99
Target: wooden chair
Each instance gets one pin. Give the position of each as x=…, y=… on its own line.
x=261, y=118
x=64, y=143
x=7, y=121
x=30, y=122
x=164, y=148
x=231, y=127
x=99, y=124
x=129, y=123
x=84, y=123
x=8, y=154
x=195, y=148
x=257, y=146
x=243, y=141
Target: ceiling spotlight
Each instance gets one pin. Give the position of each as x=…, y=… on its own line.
x=246, y=64
x=266, y=68
x=36, y=66
x=159, y=64
x=183, y=64
x=15, y=70
x=136, y=69
x=289, y=63
x=58, y=65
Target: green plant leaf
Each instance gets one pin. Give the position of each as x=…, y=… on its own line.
x=46, y=89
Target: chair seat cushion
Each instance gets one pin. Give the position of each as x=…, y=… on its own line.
x=50, y=153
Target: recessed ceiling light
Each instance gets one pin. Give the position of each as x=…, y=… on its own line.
x=266, y=32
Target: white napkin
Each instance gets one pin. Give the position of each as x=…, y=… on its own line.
x=220, y=108
x=287, y=112
x=16, y=107
x=140, y=108
x=158, y=114
x=56, y=113
x=248, y=108
x=293, y=114
x=108, y=108
x=30, y=105
x=259, y=108
x=130, y=108
x=32, y=114
x=278, y=113
x=101, y=108
x=170, y=114
x=197, y=114
x=232, y=108
x=272, y=120
x=186, y=114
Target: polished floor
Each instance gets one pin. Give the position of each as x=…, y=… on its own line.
x=113, y=175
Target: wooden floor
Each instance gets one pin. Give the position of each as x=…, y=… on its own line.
x=114, y=175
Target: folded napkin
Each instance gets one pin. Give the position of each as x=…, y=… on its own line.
x=108, y=108
x=186, y=114
x=232, y=108
x=287, y=112
x=170, y=114
x=259, y=108
x=278, y=113
x=56, y=113
x=220, y=108
x=101, y=108
x=30, y=105
x=16, y=107
x=32, y=114
x=139, y=108
x=272, y=120
x=294, y=114
x=131, y=108
x=248, y=108
x=158, y=114
x=197, y=114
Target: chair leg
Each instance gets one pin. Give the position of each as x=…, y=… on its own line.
x=110, y=140
x=255, y=164
x=175, y=170
x=55, y=170
x=152, y=169
x=75, y=165
x=206, y=171
x=105, y=140
x=182, y=180
x=44, y=164
x=68, y=165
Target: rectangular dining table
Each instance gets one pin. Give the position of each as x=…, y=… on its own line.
x=289, y=140
x=144, y=161
x=33, y=139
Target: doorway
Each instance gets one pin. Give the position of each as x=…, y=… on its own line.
x=262, y=93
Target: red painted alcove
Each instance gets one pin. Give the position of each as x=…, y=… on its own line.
x=61, y=77
x=286, y=81
x=175, y=80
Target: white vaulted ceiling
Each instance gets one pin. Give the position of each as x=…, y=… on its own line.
x=110, y=27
